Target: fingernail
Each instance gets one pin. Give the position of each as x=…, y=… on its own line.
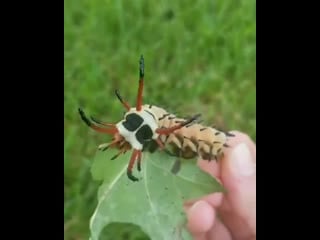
x=195, y=206
x=242, y=161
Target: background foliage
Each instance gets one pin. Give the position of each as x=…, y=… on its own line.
x=199, y=58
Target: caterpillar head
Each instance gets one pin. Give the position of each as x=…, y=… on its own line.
x=138, y=127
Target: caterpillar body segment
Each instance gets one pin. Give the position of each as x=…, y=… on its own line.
x=148, y=127
x=191, y=141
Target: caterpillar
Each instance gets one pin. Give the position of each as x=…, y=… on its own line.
x=147, y=127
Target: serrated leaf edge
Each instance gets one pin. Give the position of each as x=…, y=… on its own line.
x=104, y=196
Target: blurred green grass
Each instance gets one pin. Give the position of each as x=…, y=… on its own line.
x=200, y=57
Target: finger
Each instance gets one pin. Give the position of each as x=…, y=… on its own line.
x=238, y=174
x=201, y=217
x=199, y=236
x=240, y=138
x=214, y=199
x=218, y=232
x=210, y=167
x=213, y=167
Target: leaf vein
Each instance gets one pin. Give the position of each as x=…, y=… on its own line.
x=149, y=198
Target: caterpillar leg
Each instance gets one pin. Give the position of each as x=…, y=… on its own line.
x=169, y=153
x=118, y=142
x=91, y=124
x=124, y=147
x=104, y=146
x=117, y=155
x=134, y=156
x=176, y=166
x=160, y=144
x=178, y=154
x=139, y=161
x=150, y=146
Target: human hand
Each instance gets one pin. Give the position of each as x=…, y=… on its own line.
x=231, y=215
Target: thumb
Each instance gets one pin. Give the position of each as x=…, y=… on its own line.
x=238, y=174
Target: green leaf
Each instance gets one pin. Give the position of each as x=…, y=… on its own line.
x=155, y=202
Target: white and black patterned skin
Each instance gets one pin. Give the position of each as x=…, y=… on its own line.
x=137, y=127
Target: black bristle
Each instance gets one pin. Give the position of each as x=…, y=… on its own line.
x=115, y=156
x=84, y=118
x=139, y=166
x=105, y=148
x=141, y=66
x=229, y=134
x=118, y=95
